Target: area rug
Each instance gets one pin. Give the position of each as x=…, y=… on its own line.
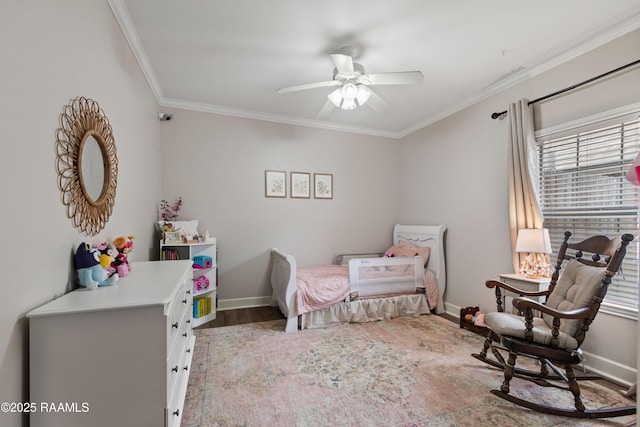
x=400, y=372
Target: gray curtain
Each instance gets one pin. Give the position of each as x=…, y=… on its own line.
x=524, y=209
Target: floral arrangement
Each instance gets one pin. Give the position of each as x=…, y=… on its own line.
x=170, y=212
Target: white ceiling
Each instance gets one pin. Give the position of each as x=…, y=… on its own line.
x=230, y=56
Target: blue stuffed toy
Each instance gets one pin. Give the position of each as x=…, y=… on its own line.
x=91, y=274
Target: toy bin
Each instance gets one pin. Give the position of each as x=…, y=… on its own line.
x=202, y=261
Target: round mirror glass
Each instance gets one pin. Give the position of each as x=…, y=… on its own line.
x=92, y=168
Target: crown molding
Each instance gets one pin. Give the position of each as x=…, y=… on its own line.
x=121, y=14
x=561, y=55
x=276, y=118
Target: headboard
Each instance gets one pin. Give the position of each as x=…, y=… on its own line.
x=432, y=236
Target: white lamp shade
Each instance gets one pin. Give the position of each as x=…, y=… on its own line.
x=336, y=97
x=533, y=240
x=363, y=94
x=345, y=97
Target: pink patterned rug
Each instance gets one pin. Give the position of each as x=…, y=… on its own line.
x=400, y=372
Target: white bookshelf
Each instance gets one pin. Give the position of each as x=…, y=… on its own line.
x=187, y=251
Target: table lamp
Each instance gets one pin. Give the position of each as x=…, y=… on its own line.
x=536, y=242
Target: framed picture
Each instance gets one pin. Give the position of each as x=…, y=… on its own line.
x=172, y=237
x=300, y=185
x=323, y=186
x=275, y=184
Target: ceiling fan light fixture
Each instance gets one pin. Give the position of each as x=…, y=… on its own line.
x=336, y=97
x=349, y=91
x=363, y=94
x=348, y=104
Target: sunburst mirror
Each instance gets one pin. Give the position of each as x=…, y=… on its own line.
x=87, y=164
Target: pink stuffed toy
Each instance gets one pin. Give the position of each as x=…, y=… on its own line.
x=123, y=245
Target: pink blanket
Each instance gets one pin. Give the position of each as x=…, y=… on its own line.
x=323, y=286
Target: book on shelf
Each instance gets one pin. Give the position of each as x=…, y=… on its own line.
x=201, y=307
x=170, y=255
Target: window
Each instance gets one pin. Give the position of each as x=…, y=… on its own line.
x=582, y=189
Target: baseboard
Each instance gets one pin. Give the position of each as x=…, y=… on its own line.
x=236, y=303
x=609, y=369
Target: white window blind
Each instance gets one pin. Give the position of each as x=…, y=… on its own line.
x=583, y=190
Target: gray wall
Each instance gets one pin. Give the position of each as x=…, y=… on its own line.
x=52, y=52
x=217, y=165
x=455, y=172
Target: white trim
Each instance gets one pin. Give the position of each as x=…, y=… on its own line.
x=610, y=369
x=596, y=120
x=276, y=118
x=619, y=310
x=236, y=303
x=121, y=14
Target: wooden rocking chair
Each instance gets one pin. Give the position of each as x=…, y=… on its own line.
x=554, y=339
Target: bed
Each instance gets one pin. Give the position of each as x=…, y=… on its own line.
x=367, y=289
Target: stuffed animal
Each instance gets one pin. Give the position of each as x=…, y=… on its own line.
x=107, y=256
x=91, y=274
x=124, y=245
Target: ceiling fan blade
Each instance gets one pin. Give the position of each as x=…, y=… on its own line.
x=343, y=63
x=325, y=111
x=308, y=86
x=400, y=78
x=377, y=104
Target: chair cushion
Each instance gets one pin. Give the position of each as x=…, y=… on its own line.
x=575, y=289
x=513, y=325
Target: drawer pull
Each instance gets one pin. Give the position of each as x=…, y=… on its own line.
x=176, y=412
x=184, y=301
x=184, y=335
x=175, y=368
x=186, y=368
x=188, y=350
x=188, y=291
x=189, y=322
x=175, y=325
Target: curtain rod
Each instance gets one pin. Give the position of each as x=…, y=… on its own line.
x=497, y=115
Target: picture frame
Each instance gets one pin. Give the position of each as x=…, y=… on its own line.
x=172, y=237
x=300, y=185
x=323, y=185
x=275, y=183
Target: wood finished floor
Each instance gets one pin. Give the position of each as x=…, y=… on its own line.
x=244, y=315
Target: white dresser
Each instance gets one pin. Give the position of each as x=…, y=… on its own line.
x=115, y=356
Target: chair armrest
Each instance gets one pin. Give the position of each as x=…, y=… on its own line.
x=523, y=303
x=499, y=284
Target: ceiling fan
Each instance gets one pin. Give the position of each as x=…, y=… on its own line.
x=353, y=84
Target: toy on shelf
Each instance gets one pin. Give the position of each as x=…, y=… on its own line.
x=200, y=283
x=91, y=274
x=124, y=245
x=202, y=261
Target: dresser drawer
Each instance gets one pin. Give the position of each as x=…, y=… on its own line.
x=177, y=356
x=177, y=397
x=178, y=309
